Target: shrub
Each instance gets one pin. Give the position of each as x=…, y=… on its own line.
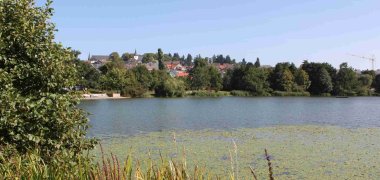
x=170, y=88
x=36, y=109
x=284, y=93
x=209, y=93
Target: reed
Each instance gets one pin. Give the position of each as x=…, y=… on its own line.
x=110, y=167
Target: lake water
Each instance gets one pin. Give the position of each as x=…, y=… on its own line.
x=133, y=116
x=307, y=137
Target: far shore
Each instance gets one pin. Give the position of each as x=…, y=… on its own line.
x=101, y=96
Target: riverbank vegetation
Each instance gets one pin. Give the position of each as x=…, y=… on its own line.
x=285, y=79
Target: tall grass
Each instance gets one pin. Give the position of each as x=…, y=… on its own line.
x=31, y=166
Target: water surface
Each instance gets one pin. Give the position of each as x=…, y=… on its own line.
x=133, y=116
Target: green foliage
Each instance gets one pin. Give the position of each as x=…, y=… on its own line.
x=126, y=56
x=287, y=80
x=241, y=93
x=114, y=79
x=322, y=76
x=149, y=57
x=143, y=76
x=199, y=75
x=365, y=83
x=302, y=80
x=257, y=63
x=255, y=81
x=204, y=93
x=215, y=78
x=377, y=83
x=171, y=88
x=283, y=93
x=114, y=56
x=36, y=110
x=346, y=83
x=88, y=76
x=160, y=57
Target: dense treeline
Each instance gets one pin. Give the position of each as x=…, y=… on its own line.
x=311, y=78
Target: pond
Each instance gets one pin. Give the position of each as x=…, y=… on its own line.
x=306, y=137
x=133, y=116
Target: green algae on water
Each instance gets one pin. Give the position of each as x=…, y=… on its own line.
x=296, y=152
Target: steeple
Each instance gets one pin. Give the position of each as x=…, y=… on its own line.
x=89, y=56
x=135, y=52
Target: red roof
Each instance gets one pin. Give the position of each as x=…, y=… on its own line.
x=182, y=74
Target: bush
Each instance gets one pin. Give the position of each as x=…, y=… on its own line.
x=241, y=93
x=36, y=109
x=170, y=88
x=209, y=93
x=138, y=91
x=284, y=93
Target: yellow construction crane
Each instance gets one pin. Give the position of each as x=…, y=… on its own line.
x=372, y=59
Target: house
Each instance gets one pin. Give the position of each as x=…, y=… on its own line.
x=98, y=61
x=136, y=58
x=182, y=74
x=172, y=65
x=223, y=67
x=152, y=66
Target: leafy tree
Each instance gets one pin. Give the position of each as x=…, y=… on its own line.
x=228, y=60
x=365, y=83
x=257, y=63
x=132, y=87
x=143, y=76
x=200, y=78
x=324, y=81
x=302, y=80
x=346, y=81
x=126, y=56
x=171, y=88
x=114, y=80
x=279, y=80
x=319, y=85
x=215, y=78
x=377, y=83
x=149, y=57
x=189, y=59
x=255, y=81
x=36, y=109
x=287, y=80
x=114, y=56
x=88, y=76
x=243, y=62
x=160, y=56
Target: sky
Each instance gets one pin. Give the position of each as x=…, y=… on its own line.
x=273, y=30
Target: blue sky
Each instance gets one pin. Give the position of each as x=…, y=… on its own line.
x=274, y=30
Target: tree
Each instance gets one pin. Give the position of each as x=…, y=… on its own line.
x=255, y=81
x=346, y=82
x=113, y=80
x=318, y=84
x=189, y=59
x=126, y=56
x=228, y=60
x=324, y=81
x=287, y=81
x=365, y=83
x=170, y=88
x=114, y=56
x=257, y=63
x=149, y=57
x=143, y=76
x=377, y=83
x=199, y=76
x=243, y=62
x=215, y=78
x=36, y=109
x=302, y=80
x=87, y=75
x=160, y=56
